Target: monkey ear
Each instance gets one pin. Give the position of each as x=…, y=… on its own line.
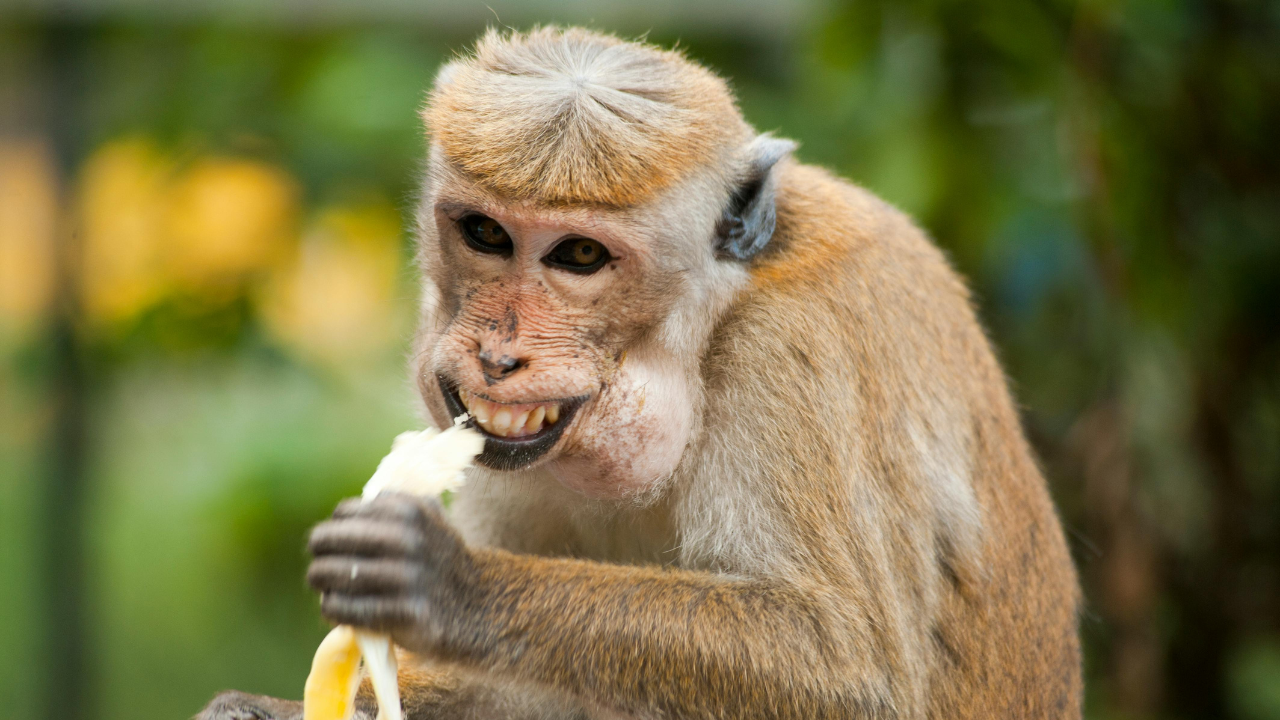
x=748, y=220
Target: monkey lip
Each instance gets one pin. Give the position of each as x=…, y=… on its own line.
x=514, y=451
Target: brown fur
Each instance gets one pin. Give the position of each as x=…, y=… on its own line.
x=855, y=315
x=874, y=594
x=851, y=524
x=571, y=116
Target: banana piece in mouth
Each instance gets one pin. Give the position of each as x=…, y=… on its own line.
x=425, y=463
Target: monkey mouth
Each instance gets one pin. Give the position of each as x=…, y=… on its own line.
x=515, y=435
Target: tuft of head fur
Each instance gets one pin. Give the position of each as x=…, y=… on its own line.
x=570, y=116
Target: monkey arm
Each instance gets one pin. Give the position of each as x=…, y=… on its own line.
x=682, y=643
x=436, y=691
x=685, y=643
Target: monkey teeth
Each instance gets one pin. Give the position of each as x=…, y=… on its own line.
x=510, y=421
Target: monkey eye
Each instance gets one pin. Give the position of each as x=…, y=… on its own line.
x=485, y=234
x=580, y=255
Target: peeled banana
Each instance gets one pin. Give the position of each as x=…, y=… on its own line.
x=425, y=463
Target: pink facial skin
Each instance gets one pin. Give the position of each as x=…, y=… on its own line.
x=634, y=434
x=568, y=333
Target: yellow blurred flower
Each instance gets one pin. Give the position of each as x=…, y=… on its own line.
x=121, y=222
x=227, y=219
x=150, y=228
x=28, y=221
x=338, y=301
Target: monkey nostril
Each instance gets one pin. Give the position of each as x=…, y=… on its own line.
x=499, y=367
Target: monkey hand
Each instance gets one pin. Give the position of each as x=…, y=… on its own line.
x=394, y=565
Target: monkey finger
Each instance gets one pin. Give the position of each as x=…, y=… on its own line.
x=367, y=538
x=437, y=531
x=362, y=576
x=381, y=614
x=394, y=506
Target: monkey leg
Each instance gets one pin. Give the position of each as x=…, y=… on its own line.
x=427, y=693
x=430, y=691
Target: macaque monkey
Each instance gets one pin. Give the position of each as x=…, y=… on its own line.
x=748, y=452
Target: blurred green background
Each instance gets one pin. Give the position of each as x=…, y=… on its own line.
x=205, y=296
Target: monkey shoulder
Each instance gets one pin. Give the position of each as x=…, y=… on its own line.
x=832, y=233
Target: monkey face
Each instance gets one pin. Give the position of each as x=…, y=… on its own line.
x=540, y=325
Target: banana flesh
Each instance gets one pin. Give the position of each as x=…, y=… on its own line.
x=330, y=692
x=425, y=463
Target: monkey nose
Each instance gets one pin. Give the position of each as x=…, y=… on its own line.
x=498, y=368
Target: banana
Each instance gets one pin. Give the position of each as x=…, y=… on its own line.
x=425, y=463
x=330, y=692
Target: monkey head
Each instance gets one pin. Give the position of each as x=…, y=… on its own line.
x=581, y=231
